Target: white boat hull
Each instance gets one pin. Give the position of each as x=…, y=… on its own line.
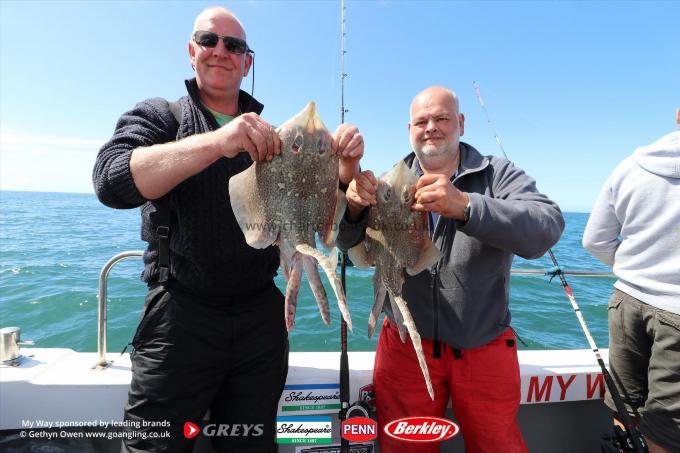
x=561, y=395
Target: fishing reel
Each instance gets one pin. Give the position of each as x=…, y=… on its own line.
x=358, y=409
x=364, y=406
x=620, y=442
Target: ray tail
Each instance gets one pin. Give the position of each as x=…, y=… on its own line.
x=312, y=272
x=398, y=318
x=292, y=290
x=328, y=264
x=417, y=344
x=378, y=301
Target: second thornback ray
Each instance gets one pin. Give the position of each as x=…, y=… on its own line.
x=397, y=240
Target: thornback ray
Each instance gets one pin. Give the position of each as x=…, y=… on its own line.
x=397, y=240
x=290, y=200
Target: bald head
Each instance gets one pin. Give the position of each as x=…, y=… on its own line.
x=213, y=14
x=435, y=129
x=219, y=67
x=436, y=95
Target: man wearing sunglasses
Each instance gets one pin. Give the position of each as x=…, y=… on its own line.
x=212, y=336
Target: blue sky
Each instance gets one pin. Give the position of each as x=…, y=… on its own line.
x=572, y=87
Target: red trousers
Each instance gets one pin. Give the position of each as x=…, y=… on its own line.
x=483, y=384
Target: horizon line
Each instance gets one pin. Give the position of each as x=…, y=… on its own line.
x=92, y=193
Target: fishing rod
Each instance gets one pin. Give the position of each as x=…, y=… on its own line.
x=344, y=359
x=359, y=408
x=632, y=438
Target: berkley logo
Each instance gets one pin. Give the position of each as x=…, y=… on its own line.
x=421, y=429
x=190, y=430
x=359, y=429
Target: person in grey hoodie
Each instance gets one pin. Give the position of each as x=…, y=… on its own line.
x=635, y=228
x=482, y=210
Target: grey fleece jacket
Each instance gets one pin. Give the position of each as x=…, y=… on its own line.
x=463, y=300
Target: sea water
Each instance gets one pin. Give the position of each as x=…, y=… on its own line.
x=53, y=246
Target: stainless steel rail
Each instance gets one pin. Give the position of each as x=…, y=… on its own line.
x=101, y=317
x=104, y=276
x=575, y=273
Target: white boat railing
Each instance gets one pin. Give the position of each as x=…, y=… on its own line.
x=104, y=276
x=574, y=273
x=101, y=316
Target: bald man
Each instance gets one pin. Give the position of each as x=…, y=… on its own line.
x=213, y=335
x=482, y=211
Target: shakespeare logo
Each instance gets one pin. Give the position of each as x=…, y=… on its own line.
x=303, y=430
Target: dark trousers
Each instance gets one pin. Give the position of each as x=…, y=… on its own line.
x=644, y=358
x=192, y=355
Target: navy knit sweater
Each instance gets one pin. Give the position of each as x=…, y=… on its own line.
x=208, y=252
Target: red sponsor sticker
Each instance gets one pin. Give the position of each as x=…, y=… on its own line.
x=359, y=429
x=421, y=429
x=190, y=430
x=367, y=393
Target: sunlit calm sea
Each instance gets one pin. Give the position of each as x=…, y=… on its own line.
x=53, y=246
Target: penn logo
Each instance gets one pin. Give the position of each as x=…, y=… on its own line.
x=359, y=429
x=190, y=430
x=421, y=429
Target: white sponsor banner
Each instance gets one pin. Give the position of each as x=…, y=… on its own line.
x=555, y=388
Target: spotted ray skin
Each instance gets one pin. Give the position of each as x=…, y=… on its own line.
x=290, y=199
x=397, y=240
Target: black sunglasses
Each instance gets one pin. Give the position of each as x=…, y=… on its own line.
x=210, y=39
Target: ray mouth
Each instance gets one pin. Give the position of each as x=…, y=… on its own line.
x=298, y=142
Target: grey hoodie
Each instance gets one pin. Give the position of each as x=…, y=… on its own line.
x=635, y=224
x=463, y=299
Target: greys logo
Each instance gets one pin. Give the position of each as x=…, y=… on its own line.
x=224, y=430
